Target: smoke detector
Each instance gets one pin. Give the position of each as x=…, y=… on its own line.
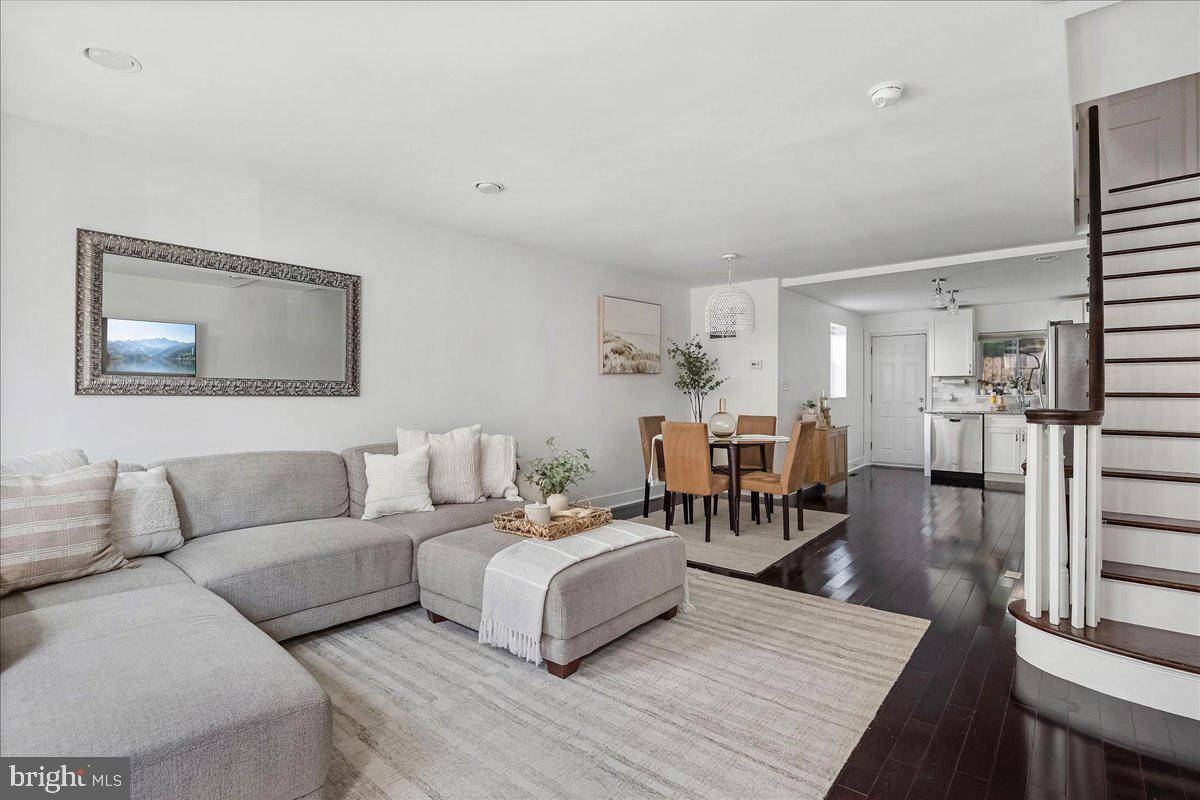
x=886, y=93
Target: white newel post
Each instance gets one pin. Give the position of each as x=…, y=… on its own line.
x=1078, y=530
x=1055, y=490
x=1035, y=516
x=1094, y=526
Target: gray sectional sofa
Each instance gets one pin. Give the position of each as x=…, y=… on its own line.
x=173, y=662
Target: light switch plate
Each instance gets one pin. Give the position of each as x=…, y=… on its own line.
x=755, y=365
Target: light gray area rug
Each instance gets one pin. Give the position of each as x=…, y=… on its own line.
x=758, y=546
x=760, y=693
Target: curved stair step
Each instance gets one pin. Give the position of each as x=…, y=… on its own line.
x=1165, y=648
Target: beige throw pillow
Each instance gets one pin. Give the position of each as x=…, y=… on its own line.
x=145, y=520
x=454, y=475
x=498, y=466
x=56, y=527
x=397, y=484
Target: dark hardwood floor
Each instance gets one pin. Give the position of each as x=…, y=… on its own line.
x=967, y=719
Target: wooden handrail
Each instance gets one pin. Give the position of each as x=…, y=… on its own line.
x=1095, y=413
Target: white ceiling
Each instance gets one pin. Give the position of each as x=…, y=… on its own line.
x=653, y=136
x=1005, y=280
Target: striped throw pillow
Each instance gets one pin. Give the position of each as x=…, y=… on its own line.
x=56, y=527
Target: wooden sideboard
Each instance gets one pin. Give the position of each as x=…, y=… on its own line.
x=827, y=462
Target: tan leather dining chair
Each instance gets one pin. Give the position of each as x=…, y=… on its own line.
x=689, y=470
x=791, y=479
x=649, y=427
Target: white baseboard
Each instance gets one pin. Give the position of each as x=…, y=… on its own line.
x=1170, y=690
x=624, y=497
x=857, y=463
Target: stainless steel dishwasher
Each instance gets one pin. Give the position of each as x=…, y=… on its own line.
x=957, y=444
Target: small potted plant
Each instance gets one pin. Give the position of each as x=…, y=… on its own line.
x=554, y=475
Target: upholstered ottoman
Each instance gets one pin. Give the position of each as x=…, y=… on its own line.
x=588, y=604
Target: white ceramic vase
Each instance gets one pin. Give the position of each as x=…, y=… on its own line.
x=722, y=423
x=558, y=502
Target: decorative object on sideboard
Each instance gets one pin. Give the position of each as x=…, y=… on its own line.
x=722, y=423
x=630, y=336
x=729, y=310
x=316, y=351
x=695, y=373
x=553, y=476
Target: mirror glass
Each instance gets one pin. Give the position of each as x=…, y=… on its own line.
x=166, y=319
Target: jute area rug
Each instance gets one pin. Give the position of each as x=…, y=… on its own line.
x=758, y=546
x=760, y=693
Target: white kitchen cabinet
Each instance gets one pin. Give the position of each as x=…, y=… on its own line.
x=1003, y=443
x=953, y=344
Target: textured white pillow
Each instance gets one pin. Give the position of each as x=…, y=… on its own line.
x=145, y=521
x=454, y=475
x=397, y=484
x=498, y=466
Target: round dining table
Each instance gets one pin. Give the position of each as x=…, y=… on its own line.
x=732, y=445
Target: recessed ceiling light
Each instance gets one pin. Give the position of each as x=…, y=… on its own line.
x=111, y=59
x=1050, y=257
x=489, y=187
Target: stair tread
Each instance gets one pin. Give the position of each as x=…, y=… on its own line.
x=1153, y=433
x=1149, y=273
x=1152, y=225
x=1158, y=182
x=1177, y=524
x=1154, y=645
x=1144, y=206
x=1157, y=395
x=1150, y=248
x=1151, y=576
x=1143, y=474
x=1152, y=360
x=1185, y=326
x=1162, y=298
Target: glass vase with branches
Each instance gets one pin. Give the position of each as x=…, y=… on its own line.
x=695, y=373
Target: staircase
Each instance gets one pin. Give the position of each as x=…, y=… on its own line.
x=1141, y=636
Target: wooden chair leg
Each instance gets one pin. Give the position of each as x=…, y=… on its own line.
x=732, y=501
x=646, y=501
x=715, y=496
x=691, y=511
x=787, y=534
x=708, y=518
x=799, y=511
x=669, y=508
x=755, y=508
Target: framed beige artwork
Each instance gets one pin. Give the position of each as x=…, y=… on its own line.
x=630, y=337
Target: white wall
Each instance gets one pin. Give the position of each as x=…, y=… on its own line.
x=748, y=391
x=456, y=328
x=254, y=331
x=1129, y=45
x=804, y=365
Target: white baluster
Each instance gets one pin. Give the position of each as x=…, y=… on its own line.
x=1056, y=491
x=1035, y=516
x=1079, y=503
x=1094, y=526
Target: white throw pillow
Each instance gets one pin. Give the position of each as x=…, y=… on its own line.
x=44, y=462
x=397, y=484
x=454, y=475
x=145, y=521
x=498, y=466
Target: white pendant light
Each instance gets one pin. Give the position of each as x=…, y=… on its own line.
x=729, y=310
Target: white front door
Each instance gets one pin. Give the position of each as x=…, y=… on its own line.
x=898, y=400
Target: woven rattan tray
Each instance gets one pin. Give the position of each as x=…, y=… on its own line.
x=514, y=522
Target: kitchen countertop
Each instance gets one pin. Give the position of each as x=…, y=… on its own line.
x=1010, y=412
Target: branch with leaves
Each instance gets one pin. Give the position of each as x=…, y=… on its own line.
x=696, y=373
x=562, y=470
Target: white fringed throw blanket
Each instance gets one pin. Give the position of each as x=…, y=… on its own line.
x=517, y=578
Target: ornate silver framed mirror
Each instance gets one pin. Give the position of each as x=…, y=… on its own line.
x=162, y=319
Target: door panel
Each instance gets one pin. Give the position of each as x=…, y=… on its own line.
x=898, y=396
